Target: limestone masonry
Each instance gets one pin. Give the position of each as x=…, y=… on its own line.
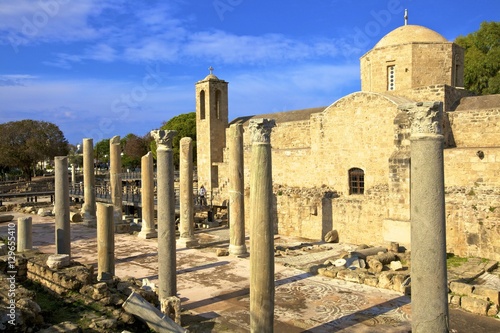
x=347, y=166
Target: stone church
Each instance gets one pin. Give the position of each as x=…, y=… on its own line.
x=347, y=166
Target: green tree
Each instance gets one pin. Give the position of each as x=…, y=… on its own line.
x=185, y=125
x=24, y=143
x=75, y=156
x=482, y=59
x=134, y=147
x=101, y=151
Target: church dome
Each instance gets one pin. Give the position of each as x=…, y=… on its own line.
x=211, y=77
x=410, y=34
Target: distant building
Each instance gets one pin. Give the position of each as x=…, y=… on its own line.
x=347, y=166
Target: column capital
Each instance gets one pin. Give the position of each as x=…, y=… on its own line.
x=260, y=129
x=163, y=138
x=425, y=117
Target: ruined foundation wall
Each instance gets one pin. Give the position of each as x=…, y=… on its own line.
x=473, y=220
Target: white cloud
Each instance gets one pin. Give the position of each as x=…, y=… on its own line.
x=15, y=79
x=235, y=49
x=26, y=22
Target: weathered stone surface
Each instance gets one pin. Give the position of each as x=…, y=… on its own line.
x=327, y=273
x=492, y=294
x=66, y=327
x=44, y=212
x=398, y=281
x=375, y=266
x=222, y=252
x=396, y=265
x=104, y=323
x=492, y=310
x=6, y=218
x=385, y=280
x=474, y=305
x=75, y=217
x=355, y=263
x=454, y=299
x=460, y=288
x=57, y=261
x=237, y=244
x=332, y=236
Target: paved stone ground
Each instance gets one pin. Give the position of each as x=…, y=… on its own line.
x=215, y=290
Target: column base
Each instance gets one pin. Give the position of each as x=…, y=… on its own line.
x=187, y=242
x=104, y=277
x=89, y=220
x=238, y=250
x=147, y=234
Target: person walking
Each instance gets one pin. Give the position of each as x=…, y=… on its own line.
x=202, y=200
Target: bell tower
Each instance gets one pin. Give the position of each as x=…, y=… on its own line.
x=211, y=124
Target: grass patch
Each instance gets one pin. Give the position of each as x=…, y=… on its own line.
x=454, y=261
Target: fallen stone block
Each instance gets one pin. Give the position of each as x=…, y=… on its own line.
x=492, y=294
x=385, y=280
x=6, y=218
x=222, y=252
x=461, y=288
x=396, y=265
x=43, y=212
x=375, y=266
x=332, y=236
x=57, y=261
x=493, y=310
x=474, y=305
x=75, y=217
x=371, y=251
x=153, y=317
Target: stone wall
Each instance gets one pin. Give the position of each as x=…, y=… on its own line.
x=473, y=220
x=476, y=128
x=465, y=167
x=359, y=218
x=303, y=212
x=416, y=65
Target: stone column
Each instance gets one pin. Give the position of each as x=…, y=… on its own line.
x=147, y=198
x=89, y=207
x=429, y=289
x=105, y=242
x=262, y=230
x=115, y=178
x=186, y=224
x=167, y=279
x=236, y=192
x=61, y=206
x=73, y=174
x=24, y=234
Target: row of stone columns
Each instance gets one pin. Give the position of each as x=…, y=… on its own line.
x=429, y=284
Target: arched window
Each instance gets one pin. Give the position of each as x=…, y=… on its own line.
x=356, y=181
x=202, y=104
x=217, y=103
x=391, y=77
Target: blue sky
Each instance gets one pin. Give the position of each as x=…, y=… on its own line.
x=99, y=68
